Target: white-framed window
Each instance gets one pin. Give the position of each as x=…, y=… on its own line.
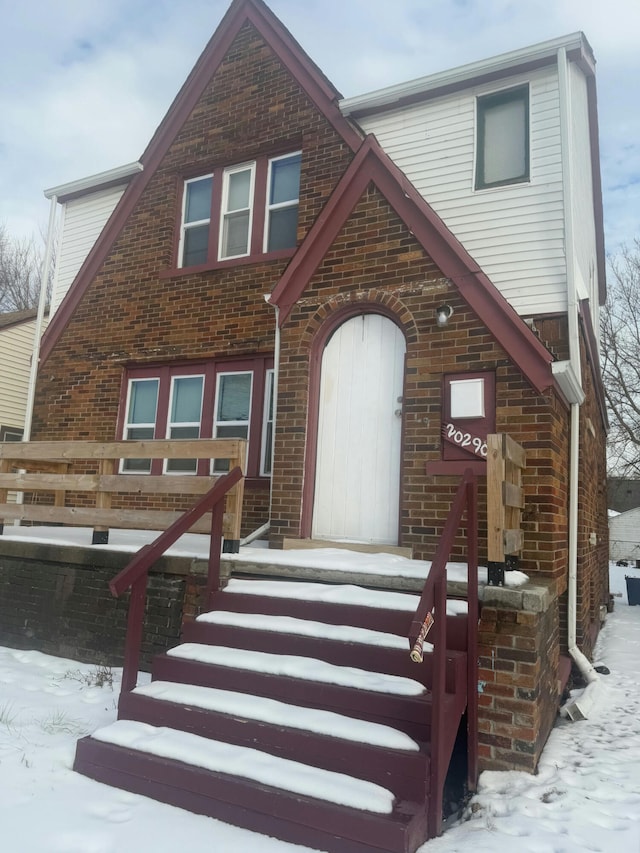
x=283, y=191
x=240, y=211
x=232, y=413
x=266, y=458
x=185, y=417
x=140, y=422
x=224, y=398
x=237, y=208
x=196, y=221
x=502, y=141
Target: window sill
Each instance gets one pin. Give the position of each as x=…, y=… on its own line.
x=258, y=258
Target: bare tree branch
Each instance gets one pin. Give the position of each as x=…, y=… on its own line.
x=20, y=272
x=621, y=361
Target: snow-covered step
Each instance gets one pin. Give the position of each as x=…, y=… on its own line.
x=248, y=763
x=345, y=594
x=273, y=712
x=306, y=628
x=292, y=666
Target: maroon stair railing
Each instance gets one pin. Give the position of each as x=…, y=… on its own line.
x=430, y=616
x=134, y=576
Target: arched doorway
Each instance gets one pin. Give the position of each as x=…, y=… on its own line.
x=357, y=471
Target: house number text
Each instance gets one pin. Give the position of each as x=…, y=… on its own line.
x=465, y=439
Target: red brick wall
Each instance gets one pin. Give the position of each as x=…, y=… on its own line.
x=375, y=260
x=133, y=312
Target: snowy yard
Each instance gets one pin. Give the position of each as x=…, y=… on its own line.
x=586, y=796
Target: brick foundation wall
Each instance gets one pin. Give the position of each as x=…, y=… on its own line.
x=57, y=600
x=518, y=676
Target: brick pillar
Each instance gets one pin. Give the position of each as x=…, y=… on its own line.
x=518, y=675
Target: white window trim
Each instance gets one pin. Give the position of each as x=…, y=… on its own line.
x=280, y=205
x=214, y=429
x=170, y=423
x=225, y=213
x=269, y=380
x=187, y=226
x=128, y=425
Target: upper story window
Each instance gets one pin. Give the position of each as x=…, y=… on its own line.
x=240, y=211
x=216, y=399
x=502, y=145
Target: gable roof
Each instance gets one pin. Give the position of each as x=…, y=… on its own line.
x=372, y=165
x=308, y=76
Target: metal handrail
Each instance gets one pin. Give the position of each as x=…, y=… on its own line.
x=431, y=615
x=134, y=576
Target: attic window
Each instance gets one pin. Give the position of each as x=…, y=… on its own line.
x=240, y=211
x=502, y=144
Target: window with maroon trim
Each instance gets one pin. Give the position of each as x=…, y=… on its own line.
x=216, y=399
x=469, y=414
x=245, y=209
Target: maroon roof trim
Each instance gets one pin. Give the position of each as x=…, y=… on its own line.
x=371, y=164
x=288, y=51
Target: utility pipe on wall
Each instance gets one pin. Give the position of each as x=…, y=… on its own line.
x=578, y=709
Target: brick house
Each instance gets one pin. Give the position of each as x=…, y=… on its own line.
x=295, y=268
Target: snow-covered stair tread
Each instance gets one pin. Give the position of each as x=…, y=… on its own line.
x=277, y=713
x=248, y=763
x=292, y=666
x=305, y=628
x=335, y=594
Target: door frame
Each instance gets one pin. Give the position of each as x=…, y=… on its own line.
x=320, y=340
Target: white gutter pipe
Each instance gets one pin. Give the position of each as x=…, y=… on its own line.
x=42, y=304
x=575, y=709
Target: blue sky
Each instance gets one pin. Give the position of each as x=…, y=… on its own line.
x=86, y=82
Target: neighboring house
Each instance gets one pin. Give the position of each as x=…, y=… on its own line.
x=351, y=285
x=17, y=330
x=624, y=536
x=623, y=493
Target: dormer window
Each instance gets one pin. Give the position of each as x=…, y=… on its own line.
x=240, y=211
x=502, y=145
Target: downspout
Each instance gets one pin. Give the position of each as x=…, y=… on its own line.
x=256, y=534
x=579, y=708
x=37, y=335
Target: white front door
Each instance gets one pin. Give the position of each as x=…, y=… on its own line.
x=357, y=485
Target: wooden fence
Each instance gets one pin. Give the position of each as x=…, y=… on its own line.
x=44, y=471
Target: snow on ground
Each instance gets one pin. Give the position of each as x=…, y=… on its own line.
x=585, y=797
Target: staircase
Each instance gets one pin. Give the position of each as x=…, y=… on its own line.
x=293, y=709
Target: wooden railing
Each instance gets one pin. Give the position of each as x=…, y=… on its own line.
x=44, y=470
x=134, y=575
x=433, y=606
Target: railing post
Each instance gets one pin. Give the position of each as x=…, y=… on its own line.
x=472, y=633
x=215, y=547
x=437, y=706
x=135, y=626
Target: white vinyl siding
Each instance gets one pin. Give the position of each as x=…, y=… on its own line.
x=582, y=194
x=16, y=346
x=515, y=232
x=81, y=223
x=624, y=536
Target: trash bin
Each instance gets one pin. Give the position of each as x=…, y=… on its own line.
x=633, y=590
